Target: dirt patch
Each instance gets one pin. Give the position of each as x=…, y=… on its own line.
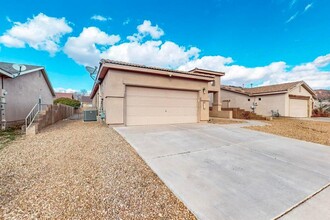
x=312, y=131
x=225, y=121
x=76, y=170
x=8, y=136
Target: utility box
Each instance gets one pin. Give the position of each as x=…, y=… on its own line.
x=90, y=115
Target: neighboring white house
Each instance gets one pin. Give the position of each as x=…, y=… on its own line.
x=295, y=99
x=23, y=91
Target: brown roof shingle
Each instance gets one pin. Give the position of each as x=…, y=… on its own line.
x=63, y=95
x=86, y=99
x=271, y=89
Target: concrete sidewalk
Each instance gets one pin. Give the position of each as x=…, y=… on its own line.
x=320, y=119
x=228, y=172
x=316, y=207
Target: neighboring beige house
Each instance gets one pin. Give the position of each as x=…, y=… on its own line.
x=86, y=101
x=131, y=94
x=64, y=95
x=23, y=91
x=294, y=99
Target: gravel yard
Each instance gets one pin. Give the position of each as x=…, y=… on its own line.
x=312, y=131
x=77, y=170
x=225, y=121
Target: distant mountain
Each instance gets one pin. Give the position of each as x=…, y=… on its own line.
x=323, y=94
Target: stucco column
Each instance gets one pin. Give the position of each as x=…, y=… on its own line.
x=216, y=102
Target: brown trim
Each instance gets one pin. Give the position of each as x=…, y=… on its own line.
x=158, y=72
x=208, y=72
x=299, y=97
x=254, y=94
x=269, y=93
x=229, y=90
x=105, y=67
x=114, y=96
x=159, y=87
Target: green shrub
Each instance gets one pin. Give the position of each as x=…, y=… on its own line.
x=66, y=101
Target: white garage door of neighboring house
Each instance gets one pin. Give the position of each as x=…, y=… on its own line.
x=160, y=106
x=298, y=108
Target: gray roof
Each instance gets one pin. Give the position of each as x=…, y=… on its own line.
x=8, y=67
x=86, y=99
x=8, y=70
x=146, y=67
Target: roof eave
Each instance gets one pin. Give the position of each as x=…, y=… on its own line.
x=5, y=73
x=208, y=72
x=105, y=66
x=48, y=81
x=230, y=90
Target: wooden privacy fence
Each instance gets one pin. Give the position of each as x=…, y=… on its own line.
x=53, y=114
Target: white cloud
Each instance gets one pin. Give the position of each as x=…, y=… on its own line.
x=292, y=3
x=69, y=90
x=322, y=61
x=127, y=21
x=146, y=29
x=154, y=31
x=10, y=41
x=276, y=72
x=308, y=7
x=292, y=18
x=87, y=47
x=8, y=19
x=93, y=44
x=153, y=53
x=100, y=18
x=41, y=33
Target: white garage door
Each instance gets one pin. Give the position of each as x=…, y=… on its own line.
x=298, y=108
x=160, y=106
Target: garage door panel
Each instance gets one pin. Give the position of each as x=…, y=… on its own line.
x=160, y=106
x=157, y=111
x=162, y=101
x=298, y=108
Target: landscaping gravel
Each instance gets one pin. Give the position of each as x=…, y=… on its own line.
x=312, y=131
x=77, y=170
x=214, y=120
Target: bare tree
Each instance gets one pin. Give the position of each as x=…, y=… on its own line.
x=83, y=92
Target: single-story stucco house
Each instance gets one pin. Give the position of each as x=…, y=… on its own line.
x=294, y=99
x=131, y=94
x=23, y=91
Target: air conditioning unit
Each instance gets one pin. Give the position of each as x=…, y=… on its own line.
x=90, y=115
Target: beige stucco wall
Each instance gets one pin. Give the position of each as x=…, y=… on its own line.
x=269, y=103
x=23, y=93
x=236, y=100
x=264, y=106
x=113, y=89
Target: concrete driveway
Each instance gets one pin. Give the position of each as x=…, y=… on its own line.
x=228, y=172
x=321, y=119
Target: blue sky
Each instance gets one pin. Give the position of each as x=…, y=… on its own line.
x=256, y=41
